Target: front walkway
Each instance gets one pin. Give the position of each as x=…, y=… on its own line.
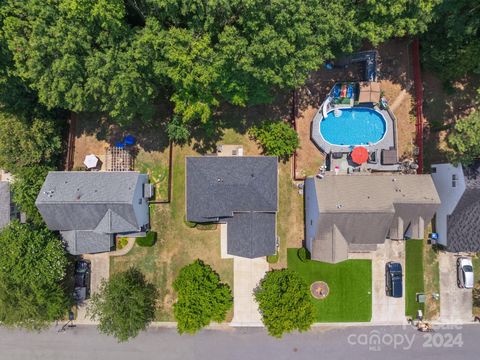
x=247, y=274
x=455, y=303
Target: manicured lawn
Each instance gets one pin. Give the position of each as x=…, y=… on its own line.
x=350, y=284
x=476, y=278
x=413, y=276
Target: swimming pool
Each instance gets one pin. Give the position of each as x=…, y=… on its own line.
x=355, y=126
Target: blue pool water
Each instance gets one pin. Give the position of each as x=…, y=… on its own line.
x=356, y=126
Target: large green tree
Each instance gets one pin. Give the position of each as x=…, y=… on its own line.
x=277, y=138
x=27, y=143
x=465, y=139
x=284, y=301
x=33, y=267
x=202, y=298
x=124, y=305
x=451, y=46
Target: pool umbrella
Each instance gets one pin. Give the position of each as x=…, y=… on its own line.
x=91, y=161
x=359, y=155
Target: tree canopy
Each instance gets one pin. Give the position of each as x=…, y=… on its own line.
x=122, y=57
x=202, y=298
x=277, y=138
x=465, y=139
x=284, y=301
x=124, y=305
x=33, y=264
x=451, y=46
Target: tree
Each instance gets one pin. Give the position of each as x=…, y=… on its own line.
x=26, y=186
x=202, y=298
x=276, y=138
x=284, y=302
x=33, y=264
x=124, y=305
x=465, y=139
x=24, y=144
x=451, y=46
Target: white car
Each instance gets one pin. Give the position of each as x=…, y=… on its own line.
x=464, y=273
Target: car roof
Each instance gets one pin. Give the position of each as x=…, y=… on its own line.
x=465, y=261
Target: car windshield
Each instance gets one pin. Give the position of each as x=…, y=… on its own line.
x=467, y=268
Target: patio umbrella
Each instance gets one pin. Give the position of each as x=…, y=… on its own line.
x=90, y=161
x=359, y=155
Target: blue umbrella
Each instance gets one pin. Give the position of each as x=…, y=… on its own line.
x=129, y=140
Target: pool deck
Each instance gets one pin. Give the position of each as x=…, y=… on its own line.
x=388, y=142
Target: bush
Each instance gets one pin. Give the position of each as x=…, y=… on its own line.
x=148, y=240
x=125, y=305
x=272, y=259
x=210, y=226
x=283, y=299
x=189, y=224
x=202, y=298
x=303, y=254
x=276, y=138
x=121, y=243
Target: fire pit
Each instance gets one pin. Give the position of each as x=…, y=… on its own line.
x=319, y=289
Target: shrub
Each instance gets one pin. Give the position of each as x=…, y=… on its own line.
x=148, y=240
x=189, y=224
x=121, y=243
x=276, y=138
x=202, y=298
x=303, y=254
x=283, y=298
x=211, y=226
x=272, y=259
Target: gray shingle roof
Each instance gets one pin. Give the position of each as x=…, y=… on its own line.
x=86, y=242
x=463, y=225
x=221, y=188
x=79, y=200
x=4, y=204
x=363, y=210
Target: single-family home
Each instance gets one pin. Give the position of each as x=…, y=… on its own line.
x=457, y=221
x=90, y=207
x=239, y=191
x=355, y=213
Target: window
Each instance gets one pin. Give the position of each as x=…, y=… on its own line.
x=140, y=201
x=434, y=170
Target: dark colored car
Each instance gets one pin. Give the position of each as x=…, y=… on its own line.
x=393, y=279
x=82, y=281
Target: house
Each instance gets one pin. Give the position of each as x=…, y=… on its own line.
x=457, y=222
x=355, y=213
x=8, y=209
x=239, y=191
x=90, y=208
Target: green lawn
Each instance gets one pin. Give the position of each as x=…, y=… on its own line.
x=350, y=284
x=413, y=276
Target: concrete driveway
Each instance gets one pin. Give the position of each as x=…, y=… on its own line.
x=455, y=303
x=386, y=309
x=100, y=269
x=247, y=273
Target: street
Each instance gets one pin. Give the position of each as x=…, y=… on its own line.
x=368, y=342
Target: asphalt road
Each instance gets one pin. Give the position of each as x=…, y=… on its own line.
x=396, y=342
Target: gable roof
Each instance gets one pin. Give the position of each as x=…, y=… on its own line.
x=81, y=200
x=463, y=224
x=86, y=242
x=4, y=204
x=241, y=191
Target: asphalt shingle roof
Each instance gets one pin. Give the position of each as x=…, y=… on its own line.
x=241, y=191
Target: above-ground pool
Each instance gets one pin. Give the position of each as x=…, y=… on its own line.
x=355, y=126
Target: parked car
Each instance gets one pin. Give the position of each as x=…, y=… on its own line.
x=81, y=291
x=393, y=279
x=464, y=273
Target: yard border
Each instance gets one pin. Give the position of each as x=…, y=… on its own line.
x=417, y=76
x=72, y=127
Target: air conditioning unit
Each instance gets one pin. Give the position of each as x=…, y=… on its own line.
x=148, y=191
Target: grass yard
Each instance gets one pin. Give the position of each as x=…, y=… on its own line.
x=177, y=245
x=155, y=164
x=431, y=282
x=350, y=283
x=413, y=276
x=476, y=278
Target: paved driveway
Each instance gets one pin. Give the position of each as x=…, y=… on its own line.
x=247, y=273
x=386, y=309
x=100, y=269
x=455, y=303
